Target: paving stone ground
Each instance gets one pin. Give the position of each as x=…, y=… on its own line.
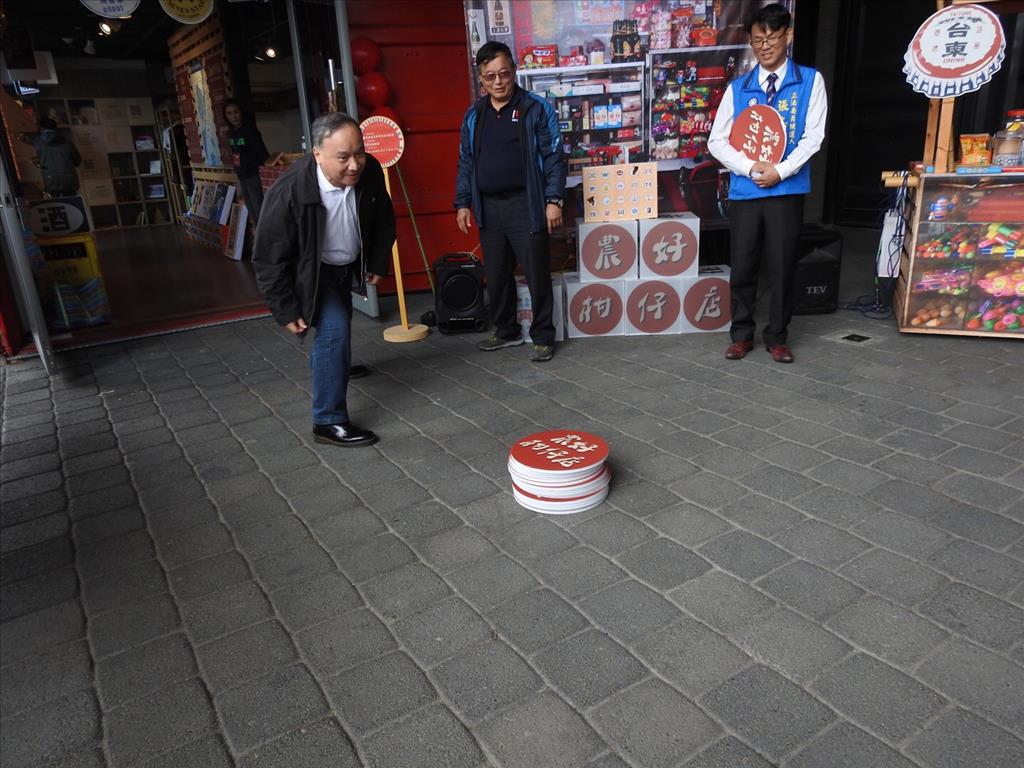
x=817, y=566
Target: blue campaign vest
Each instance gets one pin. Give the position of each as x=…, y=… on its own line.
x=791, y=100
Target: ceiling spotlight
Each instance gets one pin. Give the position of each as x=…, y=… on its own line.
x=109, y=26
x=271, y=52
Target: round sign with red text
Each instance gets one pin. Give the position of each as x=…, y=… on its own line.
x=759, y=132
x=669, y=249
x=595, y=309
x=558, y=451
x=706, y=304
x=955, y=51
x=383, y=139
x=608, y=251
x=653, y=306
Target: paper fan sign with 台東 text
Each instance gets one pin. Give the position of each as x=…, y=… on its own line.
x=759, y=132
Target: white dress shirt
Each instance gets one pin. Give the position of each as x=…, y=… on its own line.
x=808, y=144
x=341, y=230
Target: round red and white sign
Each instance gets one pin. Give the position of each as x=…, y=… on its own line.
x=706, y=304
x=558, y=452
x=759, y=132
x=383, y=139
x=956, y=51
x=608, y=252
x=653, y=306
x=669, y=249
x=595, y=309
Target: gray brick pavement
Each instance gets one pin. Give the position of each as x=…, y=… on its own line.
x=817, y=564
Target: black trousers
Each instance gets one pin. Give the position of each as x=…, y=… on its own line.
x=504, y=240
x=765, y=229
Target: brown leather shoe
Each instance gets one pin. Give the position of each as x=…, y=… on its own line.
x=780, y=353
x=738, y=350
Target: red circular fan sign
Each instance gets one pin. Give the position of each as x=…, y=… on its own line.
x=759, y=132
x=706, y=305
x=383, y=139
x=653, y=306
x=595, y=309
x=609, y=251
x=669, y=249
x=559, y=451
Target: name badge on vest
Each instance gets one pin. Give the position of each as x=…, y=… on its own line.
x=752, y=102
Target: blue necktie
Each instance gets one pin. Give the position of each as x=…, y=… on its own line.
x=770, y=90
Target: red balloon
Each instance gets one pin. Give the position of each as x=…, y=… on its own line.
x=365, y=55
x=373, y=89
x=387, y=112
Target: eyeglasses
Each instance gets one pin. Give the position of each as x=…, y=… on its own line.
x=503, y=74
x=767, y=42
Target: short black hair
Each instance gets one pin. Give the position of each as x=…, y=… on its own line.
x=772, y=17
x=490, y=51
x=233, y=103
x=48, y=123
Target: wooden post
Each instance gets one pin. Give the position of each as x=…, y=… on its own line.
x=403, y=332
x=944, y=141
x=931, y=132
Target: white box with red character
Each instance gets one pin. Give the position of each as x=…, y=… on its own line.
x=653, y=306
x=706, y=307
x=669, y=246
x=607, y=251
x=594, y=308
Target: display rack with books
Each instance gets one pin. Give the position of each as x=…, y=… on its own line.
x=122, y=175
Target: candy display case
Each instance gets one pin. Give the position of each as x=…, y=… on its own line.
x=962, y=271
x=686, y=88
x=601, y=110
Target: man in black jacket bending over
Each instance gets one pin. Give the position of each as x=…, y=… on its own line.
x=326, y=223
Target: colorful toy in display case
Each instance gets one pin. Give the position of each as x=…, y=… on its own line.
x=941, y=208
x=1003, y=282
x=952, y=281
x=997, y=315
x=939, y=313
x=1003, y=240
x=975, y=241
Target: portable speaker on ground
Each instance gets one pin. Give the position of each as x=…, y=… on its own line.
x=459, y=278
x=816, y=280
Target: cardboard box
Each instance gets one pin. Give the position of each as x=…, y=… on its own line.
x=705, y=299
x=670, y=246
x=607, y=251
x=594, y=309
x=524, y=306
x=653, y=306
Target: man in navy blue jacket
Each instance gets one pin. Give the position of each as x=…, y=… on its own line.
x=512, y=178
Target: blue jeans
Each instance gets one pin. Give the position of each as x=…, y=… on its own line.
x=332, y=346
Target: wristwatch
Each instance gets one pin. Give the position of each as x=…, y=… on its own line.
x=555, y=201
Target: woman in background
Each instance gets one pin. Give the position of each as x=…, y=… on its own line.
x=248, y=153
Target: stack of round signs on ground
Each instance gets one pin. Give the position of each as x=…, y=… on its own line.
x=559, y=472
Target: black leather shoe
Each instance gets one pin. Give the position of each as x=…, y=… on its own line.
x=358, y=371
x=347, y=434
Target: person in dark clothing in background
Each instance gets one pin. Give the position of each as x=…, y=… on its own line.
x=248, y=153
x=58, y=159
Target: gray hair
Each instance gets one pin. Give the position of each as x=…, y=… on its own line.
x=327, y=124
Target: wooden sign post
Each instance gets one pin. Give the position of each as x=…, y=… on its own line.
x=383, y=139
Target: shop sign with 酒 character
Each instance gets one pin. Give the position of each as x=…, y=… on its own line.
x=59, y=217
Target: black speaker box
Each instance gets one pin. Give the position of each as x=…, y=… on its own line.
x=816, y=279
x=459, y=281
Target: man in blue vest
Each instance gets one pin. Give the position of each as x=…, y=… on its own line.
x=766, y=200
